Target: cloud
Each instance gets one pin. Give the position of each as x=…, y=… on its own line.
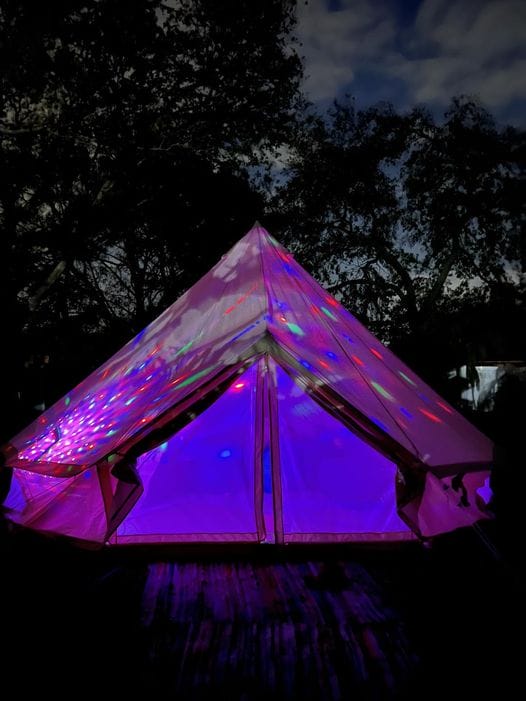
x=335, y=43
x=446, y=48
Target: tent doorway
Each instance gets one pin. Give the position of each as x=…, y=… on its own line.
x=264, y=462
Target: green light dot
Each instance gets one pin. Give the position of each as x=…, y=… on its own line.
x=295, y=329
x=407, y=379
x=184, y=348
x=193, y=378
x=328, y=313
x=382, y=391
x=112, y=457
x=67, y=401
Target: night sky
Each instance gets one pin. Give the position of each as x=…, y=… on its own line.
x=413, y=52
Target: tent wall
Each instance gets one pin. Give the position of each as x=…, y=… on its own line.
x=71, y=506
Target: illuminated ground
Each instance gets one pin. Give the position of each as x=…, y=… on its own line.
x=318, y=623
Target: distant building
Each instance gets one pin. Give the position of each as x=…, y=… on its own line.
x=480, y=394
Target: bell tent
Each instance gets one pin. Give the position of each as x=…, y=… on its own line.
x=255, y=408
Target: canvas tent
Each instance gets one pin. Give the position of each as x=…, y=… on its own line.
x=254, y=408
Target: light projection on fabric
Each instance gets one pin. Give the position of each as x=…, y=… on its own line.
x=256, y=302
x=332, y=483
x=363, y=371
x=201, y=481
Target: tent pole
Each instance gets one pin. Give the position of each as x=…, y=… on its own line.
x=272, y=405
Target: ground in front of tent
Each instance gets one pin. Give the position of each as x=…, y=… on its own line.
x=311, y=622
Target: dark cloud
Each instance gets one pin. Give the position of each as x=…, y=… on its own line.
x=418, y=51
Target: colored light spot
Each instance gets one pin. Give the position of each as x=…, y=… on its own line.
x=406, y=413
x=485, y=491
x=138, y=338
x=163, y=446
x=328, y=313
x=306, y=364
x=381, y=390
x=429, y=415
x=379, y=423
x=332, y=301
x=331, y=355
x=87, y=474
x=323, y=364
x=184, y=348
x=178, y=379
x=348, y=338
x=289, y=269
x=112, y=457
x=407, y=379
x=376, y=353
x=193, y=378
x=239, y=385
x=445, y=407
x=241, y=299
x=130, y=401
x=225, y=453
x=242, y=333
x=295, y=329
x=357, y=360
x=67, y=401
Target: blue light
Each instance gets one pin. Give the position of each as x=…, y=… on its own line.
x=306, y=364
x=332, y=355
x=225, y=453
x=379, y=423
x=406, y=413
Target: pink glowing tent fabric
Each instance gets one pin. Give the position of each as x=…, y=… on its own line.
x=255, y=408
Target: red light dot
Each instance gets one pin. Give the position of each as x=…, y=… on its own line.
x=323, y=363
x=332, y=301
x=375, y=352
x=357, y=360
x=444, y=407
x=431, y=416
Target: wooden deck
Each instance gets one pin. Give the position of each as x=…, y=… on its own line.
x=301, y=624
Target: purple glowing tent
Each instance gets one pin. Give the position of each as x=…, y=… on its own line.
x=254, y=408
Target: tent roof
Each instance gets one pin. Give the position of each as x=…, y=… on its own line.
x=256, y=299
